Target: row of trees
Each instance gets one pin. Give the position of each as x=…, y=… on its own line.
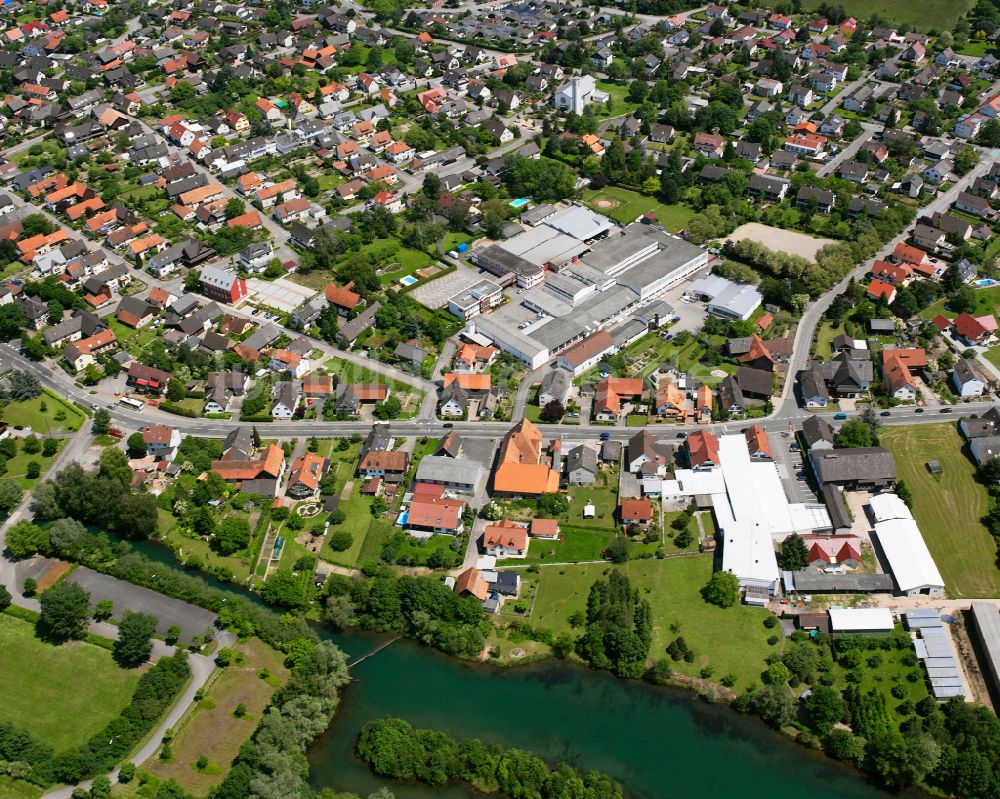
x=102, y=498
x=272, y=764
x=420, y=607
x=395, y=749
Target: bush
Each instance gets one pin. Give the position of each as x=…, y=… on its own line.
x=341, y=541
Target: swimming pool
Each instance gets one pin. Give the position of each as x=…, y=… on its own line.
x=519, y=202
x=403, y=518
x=986, y=281
x=409, y=280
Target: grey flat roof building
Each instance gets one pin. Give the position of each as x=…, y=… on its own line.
x=539, y=213
x=455, y=473
x=809, y=581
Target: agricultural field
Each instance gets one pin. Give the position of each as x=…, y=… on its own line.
x=42, y=685
x=730, y=640
x=921, y=15
x=948, y=507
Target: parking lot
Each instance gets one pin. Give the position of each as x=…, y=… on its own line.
x=191, y=619
x=281, y=294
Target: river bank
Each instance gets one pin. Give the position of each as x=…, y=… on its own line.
x=518, y=704
x=658, y=742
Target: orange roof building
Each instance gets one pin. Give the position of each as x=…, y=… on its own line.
x=307, y=471
x=435, y=515
x=469, y=382
x=703, y=449
x=471, y=583
x=505, y=539
x=268, y=465
x=520, y=471
x=758, y=443
x=342, y=296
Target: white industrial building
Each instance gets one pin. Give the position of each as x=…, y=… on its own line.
x=903, y=548
x=751, y=510
x=510, y=340
x=873, y=621
x=725, y=298
x=481, y=298
x=578, y=282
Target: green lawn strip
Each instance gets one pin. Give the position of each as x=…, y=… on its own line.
x=42, y=686
x=379, y=532
x=419, y=549
x=577, y=544
x=18, y=465
x=605, y=502
x=731, y=640
x=210, y=729
x=993, y=356
x=824, y=339
x=986, y=303
x=357, y=508
x=948, y=508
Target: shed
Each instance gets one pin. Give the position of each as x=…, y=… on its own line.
x=873, y=621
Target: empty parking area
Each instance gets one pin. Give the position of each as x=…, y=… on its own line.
x=280, y=294
x=191, y=619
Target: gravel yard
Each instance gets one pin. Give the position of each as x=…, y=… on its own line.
x=778, y=239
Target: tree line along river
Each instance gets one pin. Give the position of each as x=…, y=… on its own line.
x=658, y=743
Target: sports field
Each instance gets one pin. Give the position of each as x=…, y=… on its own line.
x=626, y=206
x=947, y=508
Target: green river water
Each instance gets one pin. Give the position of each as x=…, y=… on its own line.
x=660, y=744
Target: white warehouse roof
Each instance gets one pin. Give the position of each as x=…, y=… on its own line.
x=860, y=620
x=888, y=506
x=909, y=559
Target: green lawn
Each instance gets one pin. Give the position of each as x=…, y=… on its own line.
x=42, y=686
x=619, y=104
x=922, y=15
x=16, y=789
x=45, y=415
x=18, y=465
x=452, y=239
x=986, y=303
x=993, y=356
x=731, y=640
x=136, y=341
x=824, y=339
x=632, y=205
x=578, y=544
x=407, y=262
x=604, y=498
x=947, y=509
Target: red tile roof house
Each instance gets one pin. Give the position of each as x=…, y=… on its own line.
x=844, y=550
x=969, y=329
x=636, y=512
x=429, y=515
x=547, y=529
x=878, y=289
x=505, y=539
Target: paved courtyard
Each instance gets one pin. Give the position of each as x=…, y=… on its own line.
x=281, y=293
x=436, y=293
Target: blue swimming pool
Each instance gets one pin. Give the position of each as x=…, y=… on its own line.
x=403, y=517
x=986, y=281
x=519, y=202
x=409, y=280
